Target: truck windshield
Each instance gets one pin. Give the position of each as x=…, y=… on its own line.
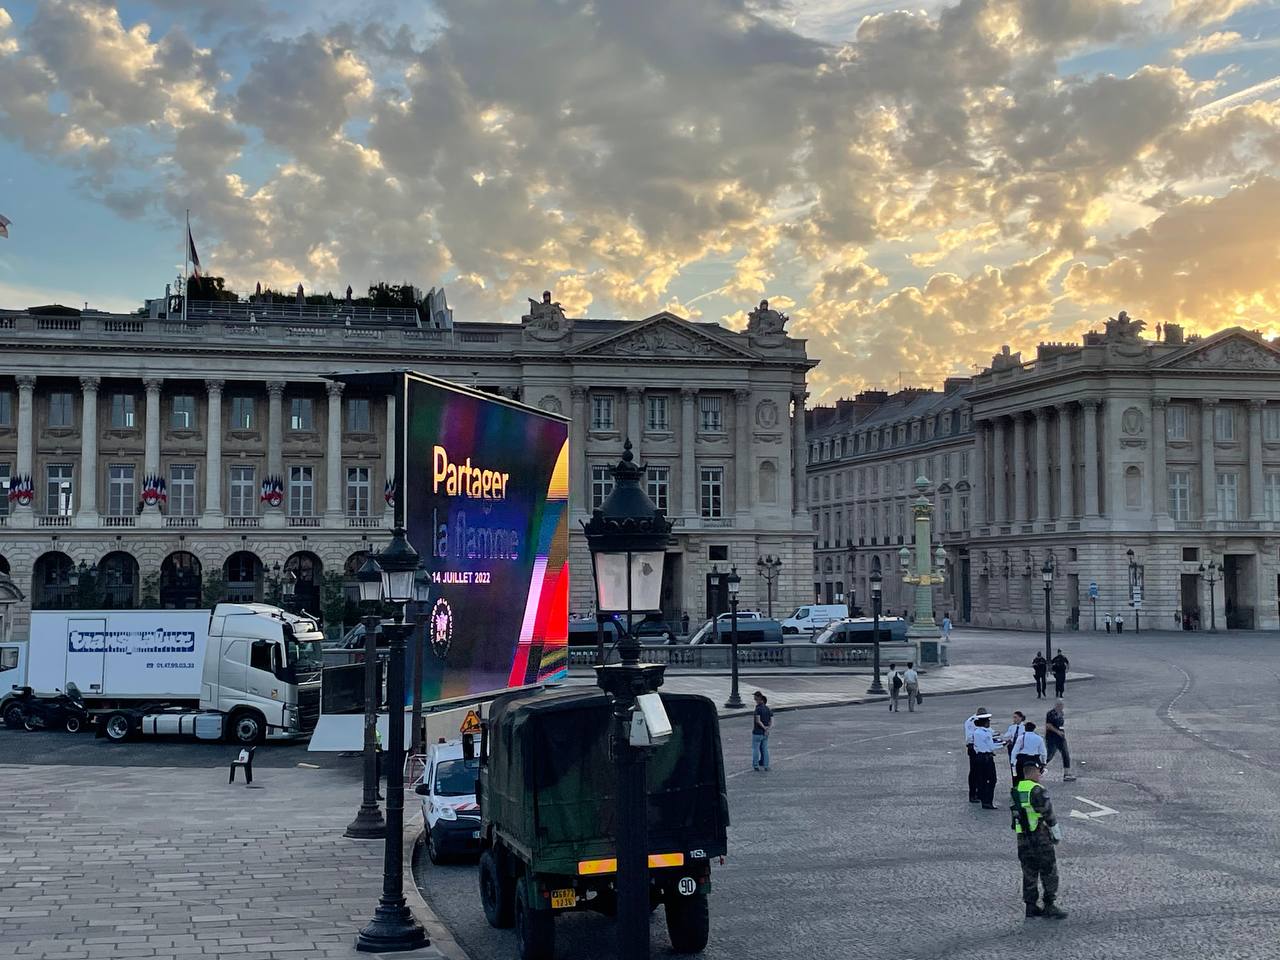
x=304, y=656
x=456, y=778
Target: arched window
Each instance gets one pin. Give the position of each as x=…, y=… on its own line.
x=309, y=571
x=1133, y=487
x=118, y=581
x=51, y=583
x=243, y=571
x=181, y=582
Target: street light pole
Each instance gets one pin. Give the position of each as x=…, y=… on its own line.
x=768, y=566
x=735, y=582
x=875, y=580
x=368, y=824
x=1211, y=575
x=1046, y=573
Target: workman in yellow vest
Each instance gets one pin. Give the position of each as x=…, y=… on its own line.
x=1038, y=832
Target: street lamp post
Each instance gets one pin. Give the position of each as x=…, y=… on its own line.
x=421, y=595
x=875, y=580
x=1046, y=574
x=627, y=536
x=368, y=824
x=735, y=582
x=768, y=567
x=394, y=927
x=1211, y=575
x=1136, y=584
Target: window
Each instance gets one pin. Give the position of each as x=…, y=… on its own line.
x=182, y=414
x=4, y=488
x=242, y=413
x=357, y=491
x=964, y=512
x=964, y=419
x=243, y=495
x=300, y=414
x=928, y=470
x=58, y=500
x=358, y=416
x=6, y=409
x=915, y=432
x=1270, y=420
x=601, y=484
x=838, y=492
x=656, y=407
x=120, y=495
x=709, y=409
x=946, y=513
x=601, y=412
x=1224, y=423
x=862, y=480
x=1228, y=495
x=718, y=553
x=123, y=414
x=260, y=656
x=1271, y=496
x=964, y=465
x=946, y=467
x=658, y=486
x=902, y=474
x=1175, y=422
x=1180, y=494
x=61, y=409
x=711, y=491
x=302, y=492
x=1190, y=554
x=826, y=488
x=182, y=490
x=930, y=427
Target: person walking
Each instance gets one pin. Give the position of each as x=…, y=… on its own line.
x=1106, y=622
x=761, y=725
x=1060, y=666
x=984, y=755
x=946, y=627
x=1040, y=670
x=894, y=681
x=1033, y=820
x=1030, y=748
x=1119, y=623
x=969, y=726
x=911, y=680
x=1055, y=736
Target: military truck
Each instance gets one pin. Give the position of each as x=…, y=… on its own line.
x=547, y=794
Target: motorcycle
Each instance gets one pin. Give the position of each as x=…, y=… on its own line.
x=65, y=710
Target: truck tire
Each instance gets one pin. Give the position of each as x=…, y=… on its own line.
x=13, y=716
x=535, y=929
x=118, y=727
x=497, y=893
x=688, y=922
x=246, y=727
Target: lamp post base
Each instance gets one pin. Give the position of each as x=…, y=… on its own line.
x=734, y=703
x=393, y=929
x=368, y=825
x=876, y=688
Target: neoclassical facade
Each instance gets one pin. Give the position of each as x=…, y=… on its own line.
x=170, y=451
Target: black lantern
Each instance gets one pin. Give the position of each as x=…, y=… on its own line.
x=877, y=582
x=399, y=563
x=734, y=583
x=1046, y=574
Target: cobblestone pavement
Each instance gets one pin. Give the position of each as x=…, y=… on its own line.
x=860, y=842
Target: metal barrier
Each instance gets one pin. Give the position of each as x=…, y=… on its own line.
x=716, y=655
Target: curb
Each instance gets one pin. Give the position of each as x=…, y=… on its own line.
x=442, y=942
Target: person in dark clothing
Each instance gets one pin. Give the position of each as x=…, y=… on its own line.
x=684, y=623
x=984, y=760
x=761, y=725
x=1038, y=833
x=1060, y=666
x=1055, y=738
x=1040, y=669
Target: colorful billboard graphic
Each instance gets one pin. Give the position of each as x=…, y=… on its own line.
x=486, y=502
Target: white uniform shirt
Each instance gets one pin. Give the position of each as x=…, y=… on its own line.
x=983, y=742
x=1030, y=744
x=1012, y=733
x=969, y=727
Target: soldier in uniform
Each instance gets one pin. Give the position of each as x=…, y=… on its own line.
x=1038, y=832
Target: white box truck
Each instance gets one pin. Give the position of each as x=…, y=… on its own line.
x=246, y=672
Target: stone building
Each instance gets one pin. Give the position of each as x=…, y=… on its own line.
x=268, y=468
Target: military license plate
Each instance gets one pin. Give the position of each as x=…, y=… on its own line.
x=564, y=899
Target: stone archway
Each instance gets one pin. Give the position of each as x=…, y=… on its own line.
x=243, y=572
x=309, y=570
x=53, y=584
x=181, y=582
x=118, y=581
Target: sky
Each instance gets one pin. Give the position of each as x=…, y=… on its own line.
x=915, y=185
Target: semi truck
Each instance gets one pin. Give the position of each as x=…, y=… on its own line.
x=244, y=672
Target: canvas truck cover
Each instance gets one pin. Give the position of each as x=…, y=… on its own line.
x=550, y=783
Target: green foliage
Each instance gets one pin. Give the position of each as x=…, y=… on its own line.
x=150, y=592
x=210, y=288
x=394, y=295
x=213, y=589
x=333, y=601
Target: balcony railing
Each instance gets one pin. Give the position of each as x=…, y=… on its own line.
x=181, y=523
x=129, y=521
x=304, y=521
x=244, y=523
x=364, y=523
x=55, y=521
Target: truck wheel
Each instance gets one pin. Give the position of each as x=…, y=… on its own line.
x=31, y=724
x=73, y=724
x=497, y=895
x=118, y=727
x=13, y=716
x=535, y=929
x=246, y=728
x=688, y=921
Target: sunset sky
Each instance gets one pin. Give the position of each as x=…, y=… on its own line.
x=914, y=186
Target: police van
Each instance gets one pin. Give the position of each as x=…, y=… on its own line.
x=450, y=814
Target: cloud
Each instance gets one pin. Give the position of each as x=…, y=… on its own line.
x=1198, y=13
x=1209, y=43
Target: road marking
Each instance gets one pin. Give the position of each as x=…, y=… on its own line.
x=1093, y=814
x=809, y=753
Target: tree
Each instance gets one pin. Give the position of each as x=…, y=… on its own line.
x=333, y=601
x=210, y=288
x=394, y=295
x=213, y=589
x=150, y=592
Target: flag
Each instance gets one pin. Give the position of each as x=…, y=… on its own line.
x=192, y=255
x=4, y=225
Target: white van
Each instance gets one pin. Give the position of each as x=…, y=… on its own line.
x=815, y=616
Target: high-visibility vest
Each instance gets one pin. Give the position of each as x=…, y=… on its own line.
x=1024, y=800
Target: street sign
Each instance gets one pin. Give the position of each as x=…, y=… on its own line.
x=1093, y=589
x=471, y=723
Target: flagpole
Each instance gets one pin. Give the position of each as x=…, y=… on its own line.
x=186, y=256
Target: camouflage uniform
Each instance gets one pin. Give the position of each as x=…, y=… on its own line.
x=1035, y=846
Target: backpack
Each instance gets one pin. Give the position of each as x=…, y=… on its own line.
x=897, y=680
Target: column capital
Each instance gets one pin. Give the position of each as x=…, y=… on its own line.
x=687, y=394
x=634, y=393
x=153, y=384
x=1159, y=403
x=741, y=396
x=26, y=381
x=275, y=389
x=1041, y=414
x=1208, y=403
x=577, y=394
x=1090, y=403
x=1257, y=405
x=214, y=386
x=90, y=384
x=334, y=388
x=798, y=397
x=1063, y=408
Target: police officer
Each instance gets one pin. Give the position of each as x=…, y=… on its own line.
x=984, y=760
x=1038, y=832
x=969, y=725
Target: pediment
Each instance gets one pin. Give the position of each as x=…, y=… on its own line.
x=663, y=335
x=1230, y=351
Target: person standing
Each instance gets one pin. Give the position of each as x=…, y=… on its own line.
x=1040, y=670
x=1038, y=833
x=1013, y=733
x=969, y=726
x=1055, y=736
x=984, y=755
x=1060, y=666
x=1119, y=623
x=1030, y=748
x=761, y=725
x=946, y=627
x=894, y=681
x=684, y=623
x=911, y=680
x=1106, y=622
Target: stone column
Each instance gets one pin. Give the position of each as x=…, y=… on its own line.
x=634, y=396
x=1089, y=440
x=978, y=485
x=213, y=456
x=87, y=514
x=1066, y=464
x=1021, y=511
x=799, y=454
x=25, y=516
x=1257, y=504
x=579, y=483
x=1159, y=460
x=1208, y=464
x=743, y=461
x=999, y=490
x=1044, y=474
x=273, y=517
x=151, y=446
x=333, y=514
x=688, y=452
x=388, y=465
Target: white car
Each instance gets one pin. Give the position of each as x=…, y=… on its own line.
x=450, y=814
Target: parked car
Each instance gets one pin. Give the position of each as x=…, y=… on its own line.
x=859, y=630
x=750, y=630
x=450, y=813
x=654, y=630
x=582, y=633
x=813, y=617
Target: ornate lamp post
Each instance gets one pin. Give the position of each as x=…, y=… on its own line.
x=627, y=536
x=368, y=824
x=734, y=582
x=1136, y=578
x=924, y=576
x=288, y=590
x=421, y=597
x=875, y=580
x=1046, y=574
x=768, y=567
x=1211, y=575
x=394, y=927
